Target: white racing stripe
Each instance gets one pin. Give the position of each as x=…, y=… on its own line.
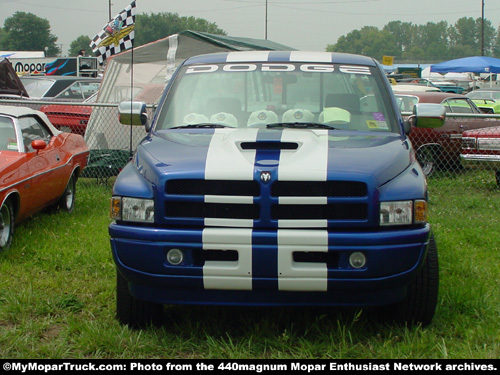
x=247, y=56
x=310, y=161
x=225, y=160
x=307, y=56
x=295, y=276
x=226, y=275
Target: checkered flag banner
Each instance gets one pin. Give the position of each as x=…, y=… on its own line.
x=116, y=36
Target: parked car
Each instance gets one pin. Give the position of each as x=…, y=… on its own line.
x=445, y=86
x=62, y=88
x=440, y=147
x=273, y=178
x=39, y=166
x=414, y=87
x=70, y=118
x=486, y=99
x=481, y=149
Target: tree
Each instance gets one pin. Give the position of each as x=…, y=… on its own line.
x=430, y=42
x=28, y=32
x=404, y=34
x=82, y=42
x=160, y=25
x=467, y=33
x=369, y=41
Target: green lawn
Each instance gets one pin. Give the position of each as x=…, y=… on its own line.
x=57, y=295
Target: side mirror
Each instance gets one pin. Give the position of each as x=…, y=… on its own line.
x=427, y=115
x=133, y=113
x=38, y=144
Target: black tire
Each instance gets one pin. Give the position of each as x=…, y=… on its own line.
x=426, y=157
x=421, y=298
x=67, y=201
x=6, y=225
x=134, y=312
x=497, y=178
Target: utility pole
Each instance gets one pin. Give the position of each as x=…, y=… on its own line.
x=482, y=27
x=266, y=22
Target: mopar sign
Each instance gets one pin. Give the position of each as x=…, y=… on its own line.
x=30, y=66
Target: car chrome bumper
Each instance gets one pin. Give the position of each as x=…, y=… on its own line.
x=480, y=161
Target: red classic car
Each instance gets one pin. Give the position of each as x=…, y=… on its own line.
x=441, y=147
x=70, y=118
x=481, y=149
x=39, y=166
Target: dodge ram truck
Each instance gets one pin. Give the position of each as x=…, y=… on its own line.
x=274, y=178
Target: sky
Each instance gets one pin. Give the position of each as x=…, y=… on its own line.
x=301, y=24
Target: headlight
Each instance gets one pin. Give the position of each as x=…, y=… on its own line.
x=132, y=209
x=403, y=212
x=488, y=144
x=468, y=142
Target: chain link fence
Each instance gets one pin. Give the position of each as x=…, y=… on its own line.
x=468, y=145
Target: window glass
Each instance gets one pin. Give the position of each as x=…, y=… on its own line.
x=36, y=88
x=32, y=129
x=8, y=139
x=406, y=103
x=457, y=106
x=72, y=92
x=258, y=94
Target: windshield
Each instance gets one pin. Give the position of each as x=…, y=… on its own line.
x=37, y=87
x=493, y=95
x=273, y=94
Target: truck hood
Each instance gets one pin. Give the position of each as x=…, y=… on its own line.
x=285, y=154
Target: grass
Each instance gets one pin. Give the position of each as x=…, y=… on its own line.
x=57, y=295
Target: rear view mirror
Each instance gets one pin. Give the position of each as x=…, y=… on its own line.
x=133, y=113
x=428, y=115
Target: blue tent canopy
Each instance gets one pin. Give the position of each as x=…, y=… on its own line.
x=474, y=64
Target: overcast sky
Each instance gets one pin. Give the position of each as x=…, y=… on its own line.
x=301, y=24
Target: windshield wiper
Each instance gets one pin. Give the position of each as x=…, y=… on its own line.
x=202, y=125
x=300, y=125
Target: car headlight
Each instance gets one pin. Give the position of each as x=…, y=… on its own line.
x=468, y=143
x=403, y=212
x=488, y=144
x=132, y=209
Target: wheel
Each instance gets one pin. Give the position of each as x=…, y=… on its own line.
x=6, y=225
x=134, y=312
x=420, y=302
x=427, y=159
x=497, y=177
x=67, y=200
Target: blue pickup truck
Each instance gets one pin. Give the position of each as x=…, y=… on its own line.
x=274, y=178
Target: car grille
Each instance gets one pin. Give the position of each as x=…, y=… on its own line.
x=327, y=201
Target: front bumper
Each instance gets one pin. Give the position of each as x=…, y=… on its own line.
x=480, y=161
x=267, y=269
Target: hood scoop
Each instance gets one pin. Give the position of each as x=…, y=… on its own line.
x=269, y=145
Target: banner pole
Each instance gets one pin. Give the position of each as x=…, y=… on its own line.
x=131, y=95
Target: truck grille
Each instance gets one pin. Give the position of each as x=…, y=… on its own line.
x=192, y=200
